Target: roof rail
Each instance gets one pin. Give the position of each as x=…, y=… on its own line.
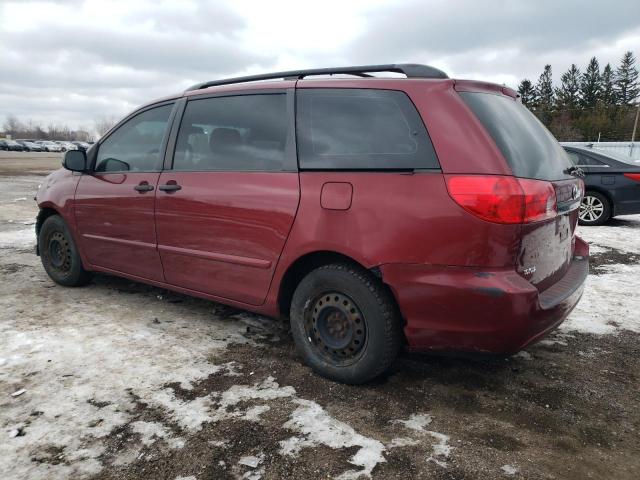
x=411, y=70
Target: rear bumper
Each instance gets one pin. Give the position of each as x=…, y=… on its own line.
x=470, y=309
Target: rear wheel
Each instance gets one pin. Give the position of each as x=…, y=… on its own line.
x=59, y=254
x=345, y=324
x=595, y=209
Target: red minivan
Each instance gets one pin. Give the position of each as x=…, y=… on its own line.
x=374, y=212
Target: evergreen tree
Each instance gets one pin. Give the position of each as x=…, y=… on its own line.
x=544, y=90
x=527, y=93
x=568, y=95
x=591, y=84
x=626, y=81
x=608, y=92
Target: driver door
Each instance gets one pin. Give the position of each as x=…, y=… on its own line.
x=114, y=205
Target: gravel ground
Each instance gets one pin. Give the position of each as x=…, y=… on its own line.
x=119, y=380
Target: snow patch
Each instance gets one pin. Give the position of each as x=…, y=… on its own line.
x=440, y=450
x=625, y=238
x=524, y=355
x=610, y=301
x=251, y=461
x=18, y=238
x=595, y=249
x=400, y=442
x=267, y=390
x=509, y=469
x=416, y=422
x=85, y=361
x=317, y=427
x=151, y=431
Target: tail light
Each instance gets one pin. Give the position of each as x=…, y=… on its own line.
x=633, y=176
x=503, y=199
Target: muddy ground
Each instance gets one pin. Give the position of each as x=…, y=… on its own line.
x=127, y=381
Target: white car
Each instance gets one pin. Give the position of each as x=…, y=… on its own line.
x=50, y=146
x=66, y=145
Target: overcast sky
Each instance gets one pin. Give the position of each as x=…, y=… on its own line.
x=71, y=61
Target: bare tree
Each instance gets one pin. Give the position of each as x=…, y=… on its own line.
x=12, y=125
x=103, y=124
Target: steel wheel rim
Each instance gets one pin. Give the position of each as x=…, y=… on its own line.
x=58, y=252
x=336, y=328
x=591, y=209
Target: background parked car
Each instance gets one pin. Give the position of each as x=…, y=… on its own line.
x=83, y=146
x=50, y=146
x=612, y=185
x=66, y=145
x=31, y=146
x=11, y=145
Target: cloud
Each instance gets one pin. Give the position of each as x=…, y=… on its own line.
x=74, y=60
x=503, y=41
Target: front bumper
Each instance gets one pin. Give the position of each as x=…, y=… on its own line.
x=470, y=309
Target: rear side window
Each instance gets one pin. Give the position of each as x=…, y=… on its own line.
x=528, y=147
x=592, y=162
x=359, y=129
x=236, y=133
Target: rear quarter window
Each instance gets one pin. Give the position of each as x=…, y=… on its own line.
x=528, y=147
x=361, y=129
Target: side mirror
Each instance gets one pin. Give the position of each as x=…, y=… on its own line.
x=75, y=160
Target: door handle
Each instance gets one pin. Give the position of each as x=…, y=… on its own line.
x=170, y=187
x=143, y=187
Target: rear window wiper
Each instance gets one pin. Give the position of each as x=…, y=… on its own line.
x=575, y=171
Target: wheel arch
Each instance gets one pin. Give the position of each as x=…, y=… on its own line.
x=304, y=264
x=44, y=213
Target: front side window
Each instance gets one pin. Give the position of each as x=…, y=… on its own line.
x=136, y=145
x=361, y=129
x=235, y=133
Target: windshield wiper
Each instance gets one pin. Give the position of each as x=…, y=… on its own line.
x=575, y=171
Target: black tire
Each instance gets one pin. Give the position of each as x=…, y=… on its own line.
x=345, y=324
x=59, y=254
x=595, y=209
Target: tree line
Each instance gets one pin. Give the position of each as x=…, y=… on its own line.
x=588, y=105
x=32, y=130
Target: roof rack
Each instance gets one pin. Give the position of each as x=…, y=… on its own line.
x=411, y=70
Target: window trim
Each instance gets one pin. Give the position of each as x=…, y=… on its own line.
x=116, y=127
x=290, y=163
x=435, y=169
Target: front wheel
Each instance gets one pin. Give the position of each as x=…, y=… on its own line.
x=345, y=324
x=595, y=209
x=59, y=254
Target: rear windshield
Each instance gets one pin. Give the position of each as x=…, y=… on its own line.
x=528, y=147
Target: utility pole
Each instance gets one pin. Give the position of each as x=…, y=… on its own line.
x=635, y=124
x=635, y=127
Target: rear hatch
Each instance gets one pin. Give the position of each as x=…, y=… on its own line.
x=547, y=245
